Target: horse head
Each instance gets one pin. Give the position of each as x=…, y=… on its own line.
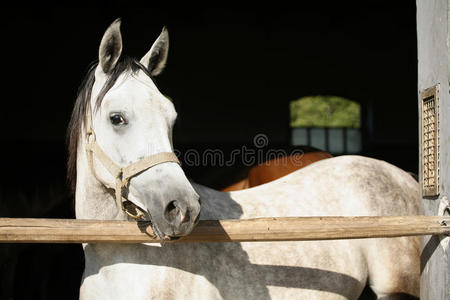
x=127, y=129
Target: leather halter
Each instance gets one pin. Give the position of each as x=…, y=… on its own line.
x=122, y=175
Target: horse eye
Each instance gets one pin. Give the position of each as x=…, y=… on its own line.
x=117, y=119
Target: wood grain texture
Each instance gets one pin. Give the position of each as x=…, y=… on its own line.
x=256, y=230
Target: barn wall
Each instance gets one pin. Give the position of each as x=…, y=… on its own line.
x=432, y=69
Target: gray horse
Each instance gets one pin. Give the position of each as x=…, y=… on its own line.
x=132, y=121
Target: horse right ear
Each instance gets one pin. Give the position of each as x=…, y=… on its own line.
x=110, y=47
x=156, y=57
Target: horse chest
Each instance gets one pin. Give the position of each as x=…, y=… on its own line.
x=222, y=271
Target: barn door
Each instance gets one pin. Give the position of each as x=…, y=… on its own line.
x=434, y=139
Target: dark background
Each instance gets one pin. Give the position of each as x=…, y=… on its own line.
x=231, y=74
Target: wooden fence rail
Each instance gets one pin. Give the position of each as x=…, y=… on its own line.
x=14, y=230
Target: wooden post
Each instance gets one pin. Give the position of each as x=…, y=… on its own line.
x=434, y=174
x=252, y=230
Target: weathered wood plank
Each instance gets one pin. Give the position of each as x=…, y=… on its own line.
x=257, y=230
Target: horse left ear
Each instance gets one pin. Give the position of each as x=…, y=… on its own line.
x=110, y=47
x=156, y=58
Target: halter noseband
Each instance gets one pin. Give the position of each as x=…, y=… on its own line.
x=122, y=174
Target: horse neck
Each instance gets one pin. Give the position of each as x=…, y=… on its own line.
x=217, y=204
x=92, y=199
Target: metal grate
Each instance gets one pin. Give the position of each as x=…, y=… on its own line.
x=430, y=141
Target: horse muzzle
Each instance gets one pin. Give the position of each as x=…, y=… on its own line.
x=168, y=200
x=178, y=217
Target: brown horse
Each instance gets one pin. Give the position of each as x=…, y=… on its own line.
x=276, y=168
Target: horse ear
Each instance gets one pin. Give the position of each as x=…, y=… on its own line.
x=110, y=47
x=156, y=58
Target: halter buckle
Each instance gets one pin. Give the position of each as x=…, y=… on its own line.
x=90, y=133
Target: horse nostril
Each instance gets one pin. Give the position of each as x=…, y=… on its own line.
x=171, y=212
x=186, y=218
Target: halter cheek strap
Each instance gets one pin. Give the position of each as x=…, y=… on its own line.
x=122, y=174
